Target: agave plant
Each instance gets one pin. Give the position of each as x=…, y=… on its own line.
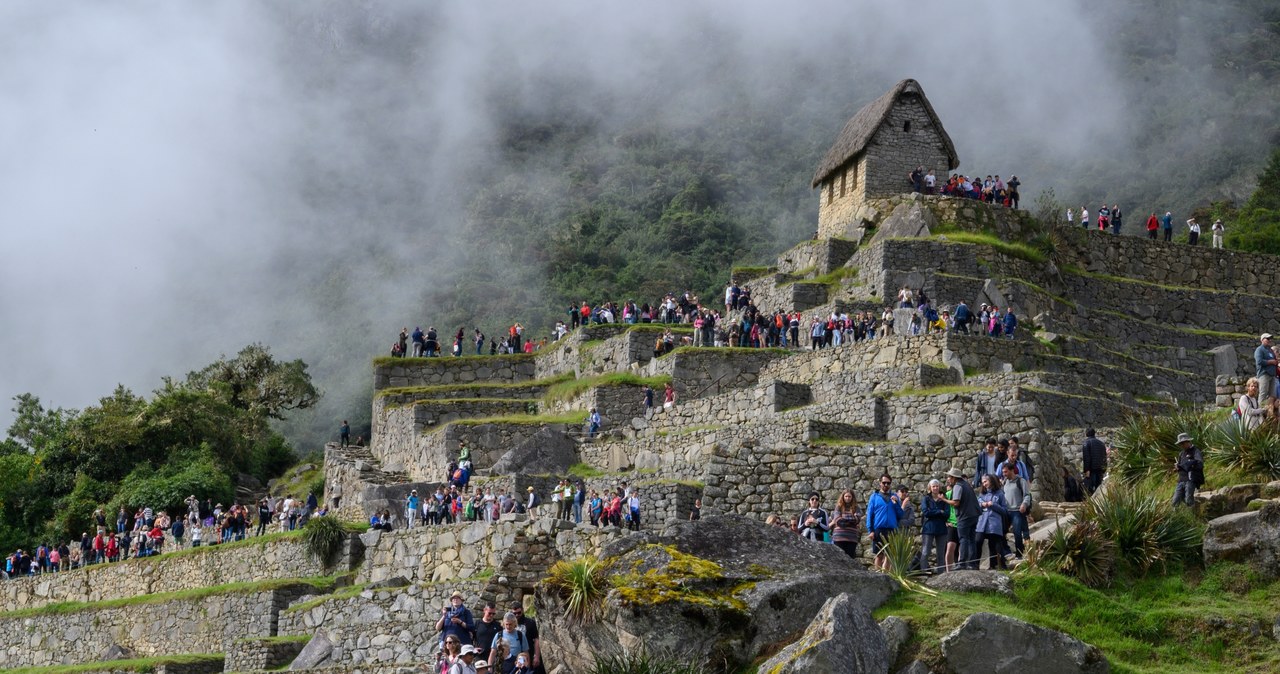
x=1143, y=526
x=1079, y=551
x=642, y=662
x=581, y=584
x=1146, y=445
x=1253, y=452
x=323, y=537
x=900, y=550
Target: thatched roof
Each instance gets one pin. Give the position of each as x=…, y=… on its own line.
x=858, y=131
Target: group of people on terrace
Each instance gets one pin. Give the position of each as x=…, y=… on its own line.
x=991, y=189
x=506, y=644
x=144, y=533
x=1113, y=219
x=419, y=344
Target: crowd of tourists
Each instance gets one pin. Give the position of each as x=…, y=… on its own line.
x=145, y=532
x=506, y=644
x=1111, y=218
x=991, y=189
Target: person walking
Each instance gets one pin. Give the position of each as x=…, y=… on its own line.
x=1094, y=454
x=1190, y=466
x=883, y=513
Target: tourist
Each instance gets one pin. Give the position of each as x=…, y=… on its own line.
x=1017, y=498
x=1070, y=217
x=1014, y=184
x=1010, y=322
x=1190, y=465
x=1104, y=217
x=991, y=521
x=456, y=619
x=464, y=664
x=1072, y=493
x=1084, y=217
x=447, y=654
x=507, y=645
x=1193, y=231
x=1115, y=219
x=668, y=397
x=933, y=529
x=695, y=513
x=1094, y=455
x=633, y=511
x=593, y=423
x=532, y=506
x=964, y=503
x=488, y=627
x=883, y=513
x=529, y=627
x=1167, y=221
x=814, y=521
x=903, y=498
x=1152, y=225
x=846, y=530
x=1218, y=230
x=988, y=462
x=1264, y=361
x=1247, y=408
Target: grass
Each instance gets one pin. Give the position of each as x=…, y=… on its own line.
x=1182, y=622
x=687, y=430
x=281, y=639
x=585, y=471
x=428, y=390
x=323, y=584
x=135, y=664
x=939, y=390
x=1018, y=249
x=528, y=419
x=342, y=593
x=751, y=272
x=835, y=278
x=828, y=441
x=1077, y=271
x=572, y=388
x=726, y=350
x=649, y=327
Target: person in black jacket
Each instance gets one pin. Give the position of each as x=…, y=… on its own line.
x=1190, y=466
x=1095, y=461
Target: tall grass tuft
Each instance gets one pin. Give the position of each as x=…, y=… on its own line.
x=1252, y=452
x=323, y=537
x=642, y=662
x=581, y=584
x=1146, y=445
x=1146, y=530
x=900, y=550
x=1079, y=551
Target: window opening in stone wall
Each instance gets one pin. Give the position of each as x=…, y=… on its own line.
x=831, y=192
x=843, y=176
x=906, y=126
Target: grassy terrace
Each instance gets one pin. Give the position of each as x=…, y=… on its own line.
x=1017, y=249
x=940, y=390
x=508, y=357
x=478, y=388
x=750, y=273
x=571, y=388
x=529, y=419
x=134, y=665
x=726, y=350
x=1077, y=271
x=322, y=584
x=1194, y=621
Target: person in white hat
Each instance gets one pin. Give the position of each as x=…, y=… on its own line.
x=1190, y=466
x=465, y=662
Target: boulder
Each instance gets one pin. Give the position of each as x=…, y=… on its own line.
x=719, y=591
x=988, y=643
x=1225, y=361
x=548, y=451
x=388, y=583
x=315, y=653
x=907, y=221
x=897, y=632
x=117, y=652
x=1249, y=537
x=983, y=582
x=916, y=667
x=1230, y=499
x=841, y=638
x=902, y=321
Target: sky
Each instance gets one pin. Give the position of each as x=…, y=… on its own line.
x=172, y=172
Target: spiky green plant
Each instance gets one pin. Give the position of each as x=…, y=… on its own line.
x=323, y=537
x=1143, y=526
x=900, y=551
x=642, y=662
x=582, y=586
x=1078, y=550
x=1253, y=452
x=1146, y=445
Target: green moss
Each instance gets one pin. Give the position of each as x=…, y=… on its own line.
x=1015, y=249
x=748, y=273
x=322, y=584
x=134, y=665
x=585, y=471
x=280, y=639
x=685, y=578
x=940, y=390
x=836, y=277
x=572, y=388
x=827, y=441
x=688, y=430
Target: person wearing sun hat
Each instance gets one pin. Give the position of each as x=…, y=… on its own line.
x=465, y=662
x=1190, y=466
x=964, y=500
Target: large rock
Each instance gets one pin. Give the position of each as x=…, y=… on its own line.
x=549, y=451
x=988, y=643
x=719, y=590
x=1250, y=537
x=908, y=221
x=897, y=632
x=117, y=652
x=315, y=653
x=842, y=638
x=982, y=582
x=1227, y=500
x=1225, y=361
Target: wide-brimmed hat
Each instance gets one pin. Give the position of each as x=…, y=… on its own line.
x=956, y=473
x=1184, y=437
x=456, y=595
x=468, y=650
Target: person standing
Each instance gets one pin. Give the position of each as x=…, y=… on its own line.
x=1017, y=498
x=1071, y=222
x=964, y=504
x=1264, y=361
x=846, y=530
x=988, y=462
x=1152, y=225
x=488, y=627
x=456, y=620
x=1084, y=217
x=1115, y=219
x=1014, y=184
x=1095, y=460
x=1193, y=232
x=1218, y=230
x=1190, y=465
x=1167, y=221
x=933, y=530
x=344, y=433
x=883, y=513
x=814, y=520
x=991, y=520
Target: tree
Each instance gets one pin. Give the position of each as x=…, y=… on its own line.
x=255, y=382
x=35, y=427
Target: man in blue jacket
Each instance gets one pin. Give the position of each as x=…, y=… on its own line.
x=1010, y=322
x=883, y=512
x=1264, y=361
x=963, y=318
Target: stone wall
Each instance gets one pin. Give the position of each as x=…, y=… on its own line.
x=246, y=655
x=396, y=372
x=838, y=207
x=275, y=557
x=425, y=456
x=895, y=150
x=819, y=256
x=208, y=624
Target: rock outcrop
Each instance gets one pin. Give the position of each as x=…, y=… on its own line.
x=550, y=451
x=985, y=582
x=1249, y=537
x=841, y=638
x=717, y=591
x=988, y=643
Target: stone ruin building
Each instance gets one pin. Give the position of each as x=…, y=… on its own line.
x=1109, y=326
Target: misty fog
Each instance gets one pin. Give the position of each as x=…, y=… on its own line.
x=175, y=176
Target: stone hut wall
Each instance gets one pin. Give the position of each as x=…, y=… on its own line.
x=821, y=256
x=205, y=625
x=207, y=566
x=838, y=207
x=707, y=372
x=395, y=372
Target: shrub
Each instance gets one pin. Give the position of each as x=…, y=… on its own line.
x=1145, y=445
x=1255, y=452
x=1145, y=529
x=1079, y=551
x=900, y=551
x=323, y=537
x=581, y=584
x=642, y=662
